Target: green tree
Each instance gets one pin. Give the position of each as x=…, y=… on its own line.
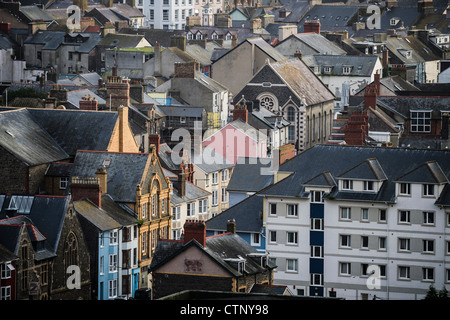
x=443, y=294
x=432, y=293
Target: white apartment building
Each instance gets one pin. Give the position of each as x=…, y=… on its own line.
x=360, y=223
x=167, y=14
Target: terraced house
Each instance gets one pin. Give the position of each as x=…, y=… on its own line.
x=135, y=182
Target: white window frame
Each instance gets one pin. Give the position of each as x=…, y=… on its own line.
x=291, y=265
x=272, y=235
x=190, y=209
x=314, y=277
x=347, y=184
x=112, y=288
x=407, y=275
x=113, y=263
x=404, y=217
x=214, y=196
x=345, y=269
x=317, y=224
x=316, y=251
x=362, y=242
x=113, y=237
x=203, y=206
x=404, y=189
x=427, y=244
x=225, y=175
x=255, y=239
x=365, y=214
x=404, y=245
x=369, y=185
x=426, y=276
x=271, y=206
x=347, y=243
x=176, y=213
x=428, y=190
x=345, y=213
x=428, y=218
x=215, y=178
x=382, y=243
x=63, y=183
x=291, y=238
x=292, y=210
x=420, y=121
x=224, y=195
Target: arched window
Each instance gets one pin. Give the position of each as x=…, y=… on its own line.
x=314, y=127
x=291, y=114
x=268, y=101
x=70, y=250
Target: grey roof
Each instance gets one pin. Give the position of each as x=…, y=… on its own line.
x=247, y=214
x=324, y=179
x=46, y=214
x=192, y=192
x=405, y=16
x=317, y=42
x=51, y=39
x=400, y=46
x=429, y=172
x=267, y=48
x=74, y=129
x=302, y=81
x=298, y=10
x=368, y=169
x=124, y=173
x=75, y=96
x=34, y=13
x=223, y=250
x=90, y=78
x=182, y=111
x=247, y=176
x=210, y=161
x=112, y=40
x=402, y=105
x=95, y=215
x=59, y=169
x=87, y=45
x=362, y=66
x=6, y=42
x=316, y=160
x=330, y=15
x=22, y=136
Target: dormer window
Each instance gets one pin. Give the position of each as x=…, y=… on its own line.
x=327, y=69
x=404, y=189
x=369, y=186
x=347, y=69
x=428, y=190
x=347, y=184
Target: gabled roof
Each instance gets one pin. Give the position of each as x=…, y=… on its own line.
x=368, y=169
x=247, y=214
x=95, y=215
x=74, y=129
x=429, y=172
x=34, y=13
x=192, y=192
x=51, y=39
x=267, y=48
x=23, y=137
x=362, y=66
x=403, y=105
x=222, y=249
x=330, y=15
x=46, y=214
x=302, y=81
x=247, y=176
x=394, y=161
x=324, y=179
x=124, y=172
x=121, y=41
x=316, y=42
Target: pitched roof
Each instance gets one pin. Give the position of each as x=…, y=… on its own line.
x=368, y=169
x=318, y=43
x=316, y=160
x=225, y=250
x=429, y=172
x=330, y=15
x=362, y=66
x=23, y=137
x=192, y=192
x=95, y=215
x=46, y=214
x=51, y=39
x=247, y=214
x=302, y=81
x=267, y=48
x=124, y=173
x=248, y=176
x=75, y=129
x=324, y=179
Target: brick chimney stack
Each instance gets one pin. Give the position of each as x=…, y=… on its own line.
x=182, y=184
x=195, y=230
x=88, y=103
x=240, y=112
x=231, y=226
x=154, y=140
x=186, y=70
x=311, y=26
x=86, y=187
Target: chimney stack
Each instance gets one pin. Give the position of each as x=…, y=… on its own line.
x=186, y=70
x=240, y=112
x=311, y=26
x=182, y=184
x=86, y=187
x=88, y=103
x=154, y=140
x=231, y=226
x=195, y=230
x=102, y=177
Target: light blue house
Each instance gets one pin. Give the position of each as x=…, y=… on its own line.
x=111, y=233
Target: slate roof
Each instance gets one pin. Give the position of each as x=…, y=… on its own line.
x=51, y=39
x=210, y=161
x=368, y=169
x=74, y=97
x=429, y=172
x=46, y=214
x=247, y=214
x=247, y=176
x=316, y=42
x=267, y=48
x=74, y=129
x=192, y=192
x=124, y=173
x=22, y=136
x=302, y=81
x=59, y=169
x=330, y=15
x=34, y=13
x=392, y=161
x=118, y=40
x=221, y=249
x=362, y=66
x=324, y=179
x=95, y=215
x=402, y=105
x=154, y=36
